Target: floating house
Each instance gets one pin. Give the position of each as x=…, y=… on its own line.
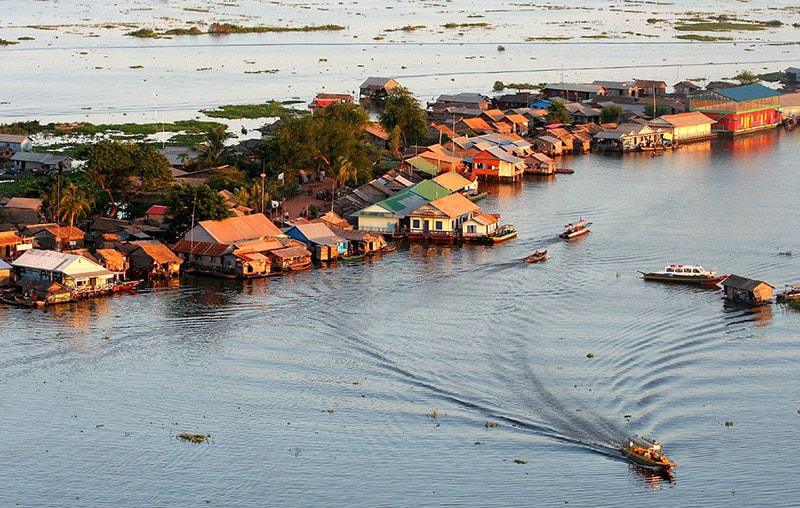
x=323, y=243
x=441, y=219
x=495, y=163
x=151, y=259
x=749, y=291
x=6, y=274
x=290, y=258
x=78, y=275
x=479, y=227
x=739, y=109
x=323, y=100
x=377, y=89
x=628, y=137
x=12, y=245
x=684, y=127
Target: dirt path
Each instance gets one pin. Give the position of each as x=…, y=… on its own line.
x=296, y=205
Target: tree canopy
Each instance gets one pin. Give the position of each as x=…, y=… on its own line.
x=188, y=205
x=123, y=170
x=611, y=114
x=402, y=111
x=557, y=112
x=746, y=78
x=320, y=142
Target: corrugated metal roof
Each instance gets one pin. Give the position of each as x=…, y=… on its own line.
x=748, y=92
x=454, y=205
x=50, y=260
x=429, y=190
x=452, y=181
x=160, y=253
x=736, y=281
x=233, y=229
x=318, y=232
x=24, y=203
x=683, y=119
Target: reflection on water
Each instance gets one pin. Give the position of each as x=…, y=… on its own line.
x=652, y=478
x=346, y=363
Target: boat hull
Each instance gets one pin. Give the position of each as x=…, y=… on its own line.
x=684, y=279
x=641, y=460
x=574, y=234
x=503, y=238
x=787, y=297
x=535, y=258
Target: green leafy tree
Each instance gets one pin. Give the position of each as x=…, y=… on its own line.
x=611, y=114
x=123, y=170
x=188, y=205
x=403, y=110
x=227, y=178
x=746, y=78
x=652, y=111
x=557, y=112
x=316, y=142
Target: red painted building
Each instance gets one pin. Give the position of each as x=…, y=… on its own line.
x=740, y=109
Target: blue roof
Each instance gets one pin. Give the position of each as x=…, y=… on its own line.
x=748, y=93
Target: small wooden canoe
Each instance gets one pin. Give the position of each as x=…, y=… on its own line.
x=536, y=256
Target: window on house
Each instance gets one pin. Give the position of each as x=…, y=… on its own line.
x=415, y=224
x=438, y=225
x=471, y=228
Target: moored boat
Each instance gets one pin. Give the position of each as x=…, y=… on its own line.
x=126, y=285
x=575, y=229
x=788, y=294
x=539, y=255
x=689, y=274
x=503, y=233
x=647, y=453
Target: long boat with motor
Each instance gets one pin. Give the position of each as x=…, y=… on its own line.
x=539, y=255
x=688, y=274
x=648, y=453
x=575, y=229
x=503, y=233
x=788, y=294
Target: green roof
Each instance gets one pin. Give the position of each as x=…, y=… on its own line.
x=747, y=93
x=429, y=190
x=423, y=164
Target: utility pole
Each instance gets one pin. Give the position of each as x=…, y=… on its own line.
x=263, y=179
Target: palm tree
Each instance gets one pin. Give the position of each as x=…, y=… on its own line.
x=75, y=203
x=213, y=150
x=345, y=171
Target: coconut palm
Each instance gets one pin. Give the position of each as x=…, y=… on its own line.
x=75, y=203
x=213, y=151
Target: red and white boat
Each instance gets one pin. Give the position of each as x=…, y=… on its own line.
x=575, y=229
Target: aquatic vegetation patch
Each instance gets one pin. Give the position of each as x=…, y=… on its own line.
x=4, y=42
x=194, y=438
x=263, y=71
x=718, y=26
x=267, y=110
x=227, y=28
x=702, y=38
x=466, y=25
